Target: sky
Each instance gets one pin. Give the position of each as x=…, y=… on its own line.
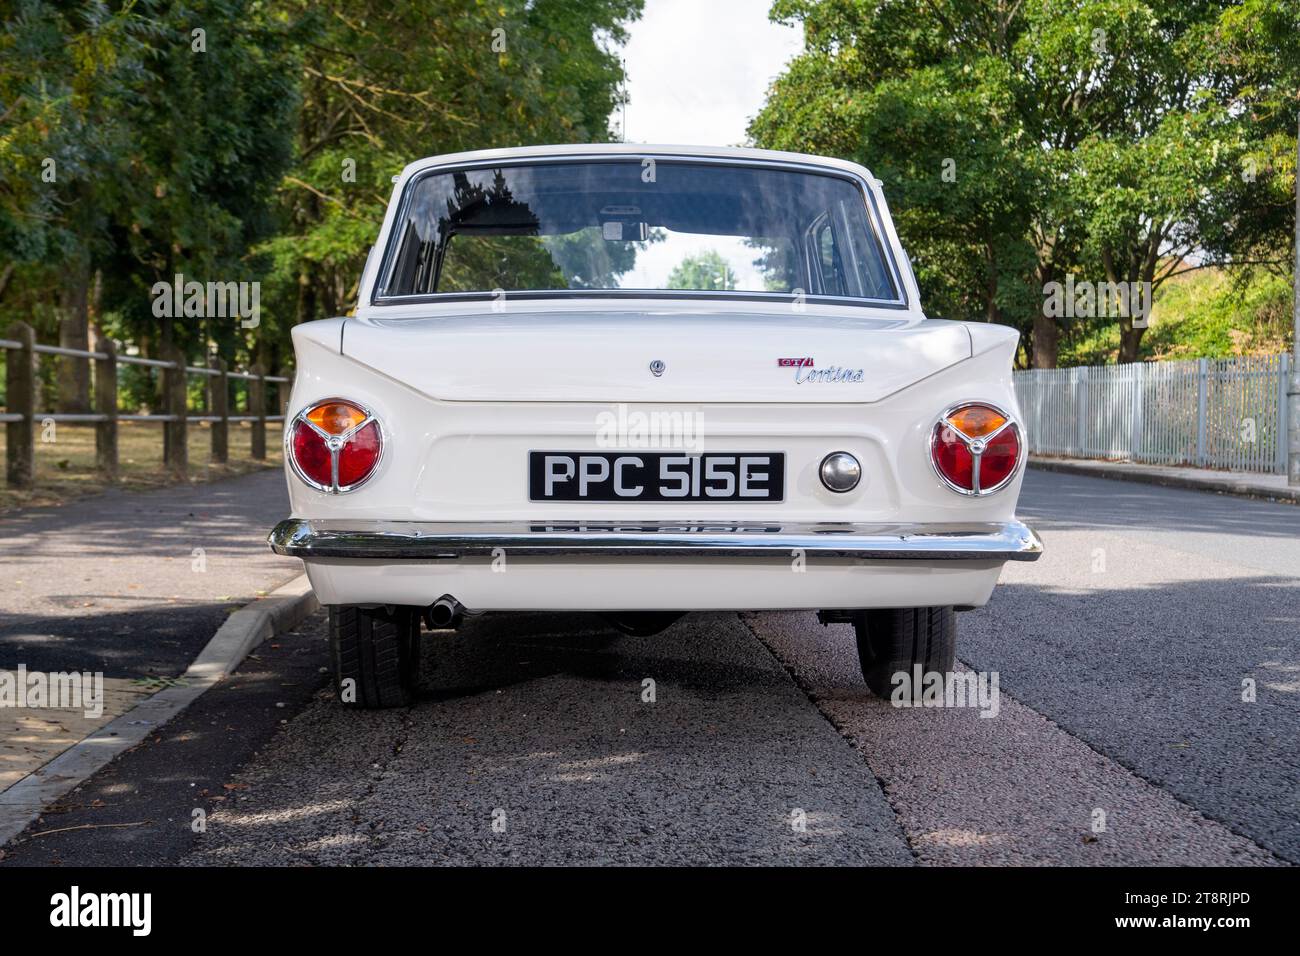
x=697, y=70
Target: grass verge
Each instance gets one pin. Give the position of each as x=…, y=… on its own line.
x=65, y=467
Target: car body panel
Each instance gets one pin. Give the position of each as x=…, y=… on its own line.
x=524, y=354
x=465, y=390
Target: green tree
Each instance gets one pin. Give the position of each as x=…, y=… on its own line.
x=212, y=130
x=1185, y=121
x=164, y=128
x=246, y=140
x=1020, y=141
x=707, y=271
x=385, y=83
x=64, y=72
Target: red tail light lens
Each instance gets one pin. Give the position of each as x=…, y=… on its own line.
x=359, y=456
x=952, y=457
x=1001, y=455
x=335, y=446
x=311, y=456
x=975, y=449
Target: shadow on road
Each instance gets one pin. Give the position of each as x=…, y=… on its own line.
x=1153, y=675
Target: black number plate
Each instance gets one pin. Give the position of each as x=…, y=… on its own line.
x=656, y=476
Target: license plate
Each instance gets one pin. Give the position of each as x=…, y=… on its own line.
x=656, y=476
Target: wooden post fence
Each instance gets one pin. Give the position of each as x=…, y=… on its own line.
x=257, y=408
x=20, y=398
x=21, y=416
x=106, y=405
x=176, y=455
x=219, y=404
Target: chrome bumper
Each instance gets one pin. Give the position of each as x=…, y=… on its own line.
x=448, y=540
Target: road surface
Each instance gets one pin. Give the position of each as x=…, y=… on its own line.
x=1121, y=735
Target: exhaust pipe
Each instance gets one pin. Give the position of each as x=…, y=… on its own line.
x=444, y=613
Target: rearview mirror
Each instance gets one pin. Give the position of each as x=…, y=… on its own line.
x=616, y=230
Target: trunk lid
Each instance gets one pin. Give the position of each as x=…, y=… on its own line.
x=527, y=354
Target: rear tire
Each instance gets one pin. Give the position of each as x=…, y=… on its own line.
x=897, y=639
x=376, y=655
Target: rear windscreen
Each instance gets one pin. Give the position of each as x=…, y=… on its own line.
x=636, y=225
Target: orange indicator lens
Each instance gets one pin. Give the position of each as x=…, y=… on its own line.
x=335, y=418
x=976, y=421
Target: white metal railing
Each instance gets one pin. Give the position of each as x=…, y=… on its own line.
x=1224, y=413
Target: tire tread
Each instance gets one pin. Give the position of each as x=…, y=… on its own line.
x=377, y=649
x=896, y=639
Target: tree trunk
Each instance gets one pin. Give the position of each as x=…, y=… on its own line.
x=1129, y=340
x=262, y=354
x=165, y=342
x=74, y=333
x=992, y=313
x=1047, y=336
x=1046, y=333
x=1130, y=337
x=307, y=296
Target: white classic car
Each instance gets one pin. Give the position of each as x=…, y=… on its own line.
x=644, y=381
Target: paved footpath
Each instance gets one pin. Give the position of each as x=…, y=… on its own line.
x=131, y=585
x=1269, y=487
x=134, y=584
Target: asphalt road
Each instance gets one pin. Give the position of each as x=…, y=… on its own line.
x=1121, y=735
x=1137, y=629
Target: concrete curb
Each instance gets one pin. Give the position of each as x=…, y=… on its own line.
x=1243, y=488
x=281, y=610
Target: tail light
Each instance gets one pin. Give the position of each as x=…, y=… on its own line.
x=334, y=445
x=975, y=448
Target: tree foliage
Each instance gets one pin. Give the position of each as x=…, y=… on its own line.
x=386, y=83
x=1021, y=140
x=707, y=271
x=255, y=140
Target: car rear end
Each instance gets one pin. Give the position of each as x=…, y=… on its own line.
x=456, y=504
x=639, y=449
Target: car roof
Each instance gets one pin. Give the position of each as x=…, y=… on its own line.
x=738, y=153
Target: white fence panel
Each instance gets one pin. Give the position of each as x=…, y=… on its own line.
x=1226, y=413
